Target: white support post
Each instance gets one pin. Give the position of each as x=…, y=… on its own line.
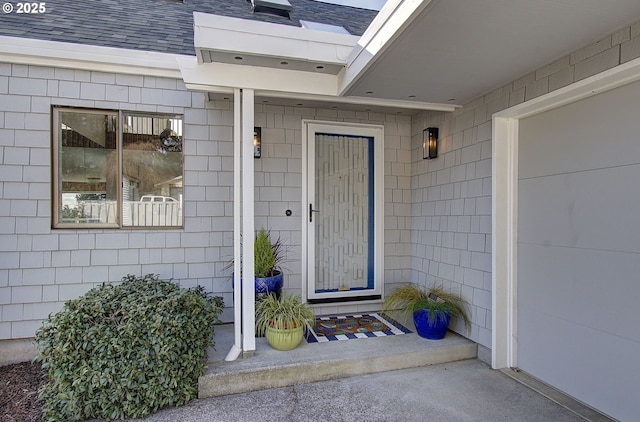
x=248, y=224
x=236, y=349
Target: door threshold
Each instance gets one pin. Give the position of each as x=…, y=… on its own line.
x=330, y=300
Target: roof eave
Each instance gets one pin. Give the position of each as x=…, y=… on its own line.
x=222, y=39
x=88, y=57
x=393, y=19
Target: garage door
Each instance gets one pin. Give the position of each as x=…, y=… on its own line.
x=578, y=285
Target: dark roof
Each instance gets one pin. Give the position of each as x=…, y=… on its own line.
x=158, y=25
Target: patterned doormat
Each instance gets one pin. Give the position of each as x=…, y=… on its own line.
x=349, y=327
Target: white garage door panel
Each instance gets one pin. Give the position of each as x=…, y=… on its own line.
x=578, y=250
x=592, y=288
x=591, y=209
x=586, y=359
x=564, y=140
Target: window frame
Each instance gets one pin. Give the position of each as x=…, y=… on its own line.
x=56, y=166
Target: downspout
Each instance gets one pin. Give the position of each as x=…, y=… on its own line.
x=236, y=349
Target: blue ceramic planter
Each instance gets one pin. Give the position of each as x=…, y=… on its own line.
x=266, y=285
x=434, y=329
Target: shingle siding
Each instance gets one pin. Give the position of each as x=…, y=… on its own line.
x=441, y=222
x=41, y=266
x=44, y=267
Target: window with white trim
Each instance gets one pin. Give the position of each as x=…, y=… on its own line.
x=116, y=169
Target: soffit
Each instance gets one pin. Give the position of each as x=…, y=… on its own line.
x=453, y=51
x=220, y=39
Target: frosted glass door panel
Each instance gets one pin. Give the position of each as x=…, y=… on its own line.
x=343, y=201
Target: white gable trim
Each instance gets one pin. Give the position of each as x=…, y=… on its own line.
x=88, y=57
x=505, y=200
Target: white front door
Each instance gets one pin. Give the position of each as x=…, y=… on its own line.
x=344, y=212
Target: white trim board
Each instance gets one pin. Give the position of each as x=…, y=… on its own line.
x=88, y=57
x=505, y=198
x=360, y=4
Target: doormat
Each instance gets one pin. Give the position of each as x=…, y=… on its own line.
x=349, y=327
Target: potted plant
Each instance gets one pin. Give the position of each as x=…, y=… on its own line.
x=431, y=308
x=283, y=320
x=268, y=256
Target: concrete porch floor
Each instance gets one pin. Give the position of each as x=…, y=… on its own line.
x=364, y=380
x=311, y=362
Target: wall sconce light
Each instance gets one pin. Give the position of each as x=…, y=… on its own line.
x=430, y=143
x=257, y=142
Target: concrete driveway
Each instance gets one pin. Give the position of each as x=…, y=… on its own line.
x=460, y=391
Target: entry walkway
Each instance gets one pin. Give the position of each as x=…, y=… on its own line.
x=467, y=390
x=395, y=378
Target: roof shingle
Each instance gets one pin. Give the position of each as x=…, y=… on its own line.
x=159, y=25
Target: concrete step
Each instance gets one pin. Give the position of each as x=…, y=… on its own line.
x=311, y=362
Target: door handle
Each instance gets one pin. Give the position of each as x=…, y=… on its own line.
x=311, y=211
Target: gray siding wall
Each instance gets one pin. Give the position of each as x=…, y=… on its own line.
x=40, y=268
x=451, y=196
x=451, y=208
x=437, y=213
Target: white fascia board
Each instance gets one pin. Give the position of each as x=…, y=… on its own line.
x=378, y=102
x=388, y=25
x=242, y=36
x=359, y=4
x=88, y=57
x=258, y=78
x=278, y=83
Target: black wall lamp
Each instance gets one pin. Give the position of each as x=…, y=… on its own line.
x=430, y=143
x=257, y=142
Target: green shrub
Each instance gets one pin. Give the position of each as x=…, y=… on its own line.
x=126, y=350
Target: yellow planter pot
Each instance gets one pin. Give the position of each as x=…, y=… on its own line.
x=284, y=339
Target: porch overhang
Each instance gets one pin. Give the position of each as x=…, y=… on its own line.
x=221, y=39
x=280, y=61
x=392, y=20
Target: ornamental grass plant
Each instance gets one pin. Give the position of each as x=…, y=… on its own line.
x=409, y=298
x=284, y=313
